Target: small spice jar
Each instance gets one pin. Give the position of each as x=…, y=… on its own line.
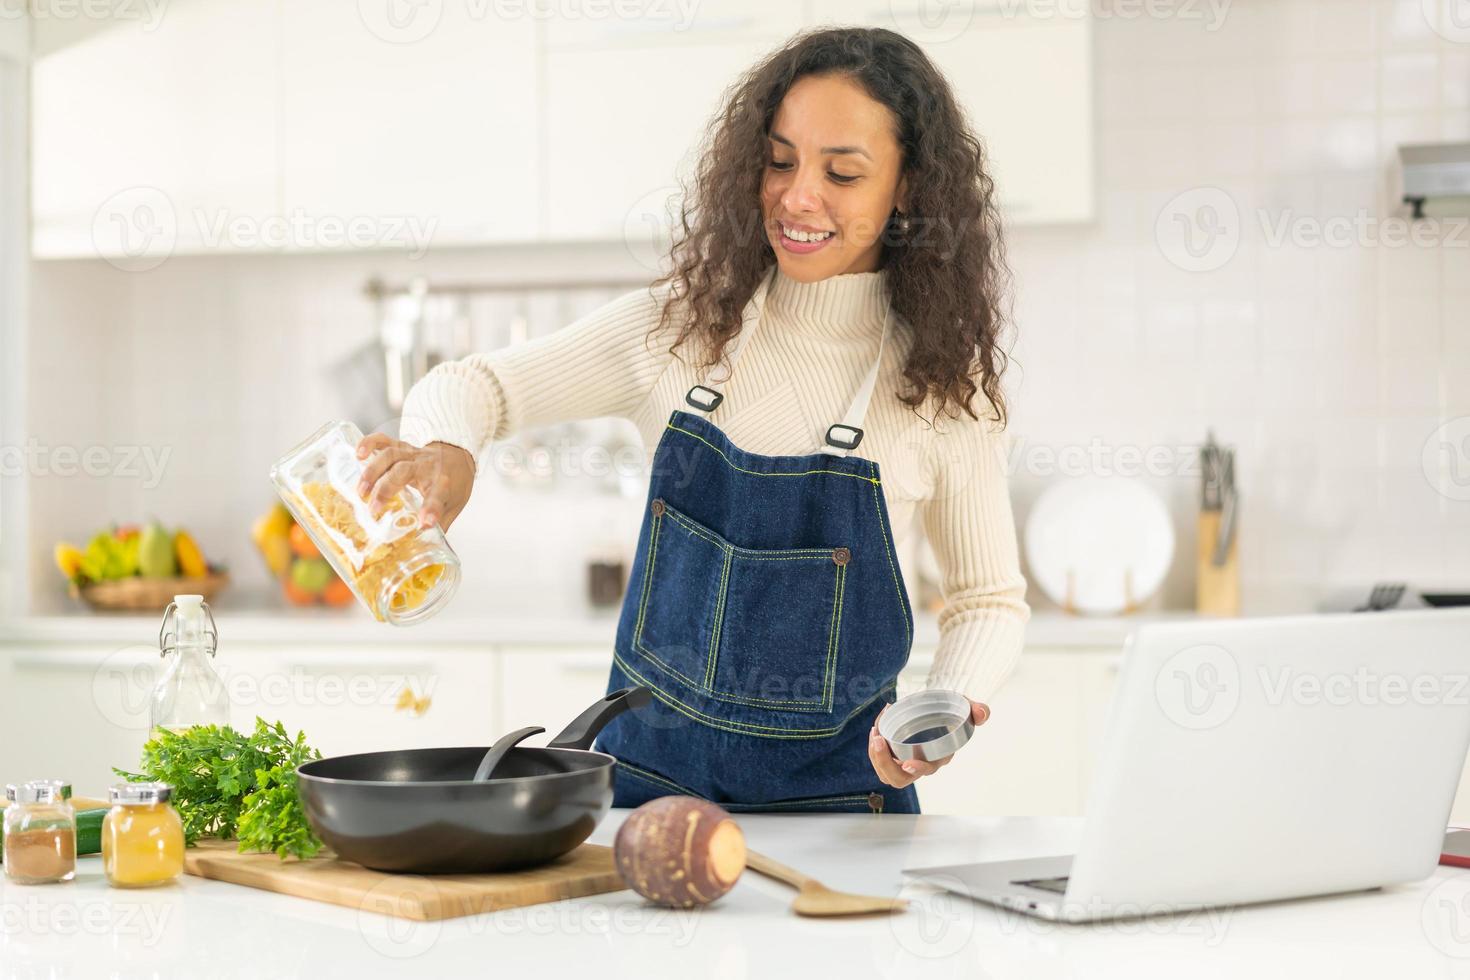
x=40, y=833
x=142, y=836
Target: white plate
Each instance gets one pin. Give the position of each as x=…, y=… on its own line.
x=1105, y=544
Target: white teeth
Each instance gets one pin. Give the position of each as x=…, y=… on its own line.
x=806, y=236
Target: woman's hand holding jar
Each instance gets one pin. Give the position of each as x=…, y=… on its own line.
x=443, y=475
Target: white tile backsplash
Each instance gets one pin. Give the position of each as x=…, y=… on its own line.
x=1328, y=366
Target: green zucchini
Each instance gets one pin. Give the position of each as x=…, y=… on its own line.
x=89, y=831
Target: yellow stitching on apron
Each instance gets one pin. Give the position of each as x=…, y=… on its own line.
x=753, y=702
x=648, y=571
x=637, y=772
x=648, y=652
x=888, y=553
x=748, y=554
x=695, y=435
x=647, y=588
x=833, y=633
x=657, y=780
x=714, y=640
x=743, y=728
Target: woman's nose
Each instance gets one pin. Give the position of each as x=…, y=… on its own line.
x=802, y=195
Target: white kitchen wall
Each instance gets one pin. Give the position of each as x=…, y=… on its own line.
x=1329, y=366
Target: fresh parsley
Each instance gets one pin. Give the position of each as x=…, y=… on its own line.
x=231, y=785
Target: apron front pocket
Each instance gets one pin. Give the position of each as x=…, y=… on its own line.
x=754, y=627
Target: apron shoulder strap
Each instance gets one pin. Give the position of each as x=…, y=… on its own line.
x=841, y=437
x=706, y=396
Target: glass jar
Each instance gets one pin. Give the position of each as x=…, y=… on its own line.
x=142, y=836
x=401, y=572
x=40, y=833
x=190, y=691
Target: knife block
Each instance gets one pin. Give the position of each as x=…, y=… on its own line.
x=1217, y=587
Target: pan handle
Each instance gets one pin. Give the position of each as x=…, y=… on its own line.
x=584, y=728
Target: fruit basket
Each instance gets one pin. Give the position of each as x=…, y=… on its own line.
x=305, y=576
x=130, y=568
x=151, y=594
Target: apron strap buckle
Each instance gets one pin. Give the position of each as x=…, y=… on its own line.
x=843, y=436
x=707, y=401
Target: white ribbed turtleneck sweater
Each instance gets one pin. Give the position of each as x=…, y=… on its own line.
x=796, y=376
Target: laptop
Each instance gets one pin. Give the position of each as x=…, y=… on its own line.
x=1255, y=760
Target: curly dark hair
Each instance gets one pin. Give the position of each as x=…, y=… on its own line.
x=946, y=275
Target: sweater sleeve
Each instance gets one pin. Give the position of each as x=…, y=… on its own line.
x=969, y=524
x=604, y=364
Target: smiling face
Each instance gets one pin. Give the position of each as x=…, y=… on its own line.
x=834, y=176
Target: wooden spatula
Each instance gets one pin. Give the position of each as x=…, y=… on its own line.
x=815, y=898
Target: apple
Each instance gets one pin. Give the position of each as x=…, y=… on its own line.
x=310, y=574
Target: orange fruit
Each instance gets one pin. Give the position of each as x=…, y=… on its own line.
x=301, y=543
x=296, y=596
x=337, y=593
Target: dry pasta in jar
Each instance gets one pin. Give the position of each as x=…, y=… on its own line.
x=401, y=572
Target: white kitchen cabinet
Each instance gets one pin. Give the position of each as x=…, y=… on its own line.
x=150, y=138
x=1031, y=756
x=1026, y=84
x=439, y=131
x=74, y=713
x=660, y=26
x=627, y=107
x=549, y=686
x=236, y=127
x=15, y=37
x=346, y=699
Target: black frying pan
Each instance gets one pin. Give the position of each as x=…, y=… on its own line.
x=421, y=810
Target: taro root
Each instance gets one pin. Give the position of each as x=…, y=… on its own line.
x=679, y=851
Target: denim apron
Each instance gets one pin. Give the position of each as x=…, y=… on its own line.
x=766, y=613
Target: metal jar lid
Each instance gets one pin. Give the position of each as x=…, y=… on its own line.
x=39, y=791
x=927, y=725
x=139, y=794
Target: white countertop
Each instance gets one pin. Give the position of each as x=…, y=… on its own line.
x=575, y=627
x=204, y=928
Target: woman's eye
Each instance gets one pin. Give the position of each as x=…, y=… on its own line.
x=782, y=167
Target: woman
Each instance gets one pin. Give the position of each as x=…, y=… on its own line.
x=840, y=244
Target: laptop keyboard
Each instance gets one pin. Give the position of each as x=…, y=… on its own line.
x=1058, y=885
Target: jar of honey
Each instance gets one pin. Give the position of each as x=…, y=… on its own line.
x=142, y=836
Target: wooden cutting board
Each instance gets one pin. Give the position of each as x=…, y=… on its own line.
x=588, y=870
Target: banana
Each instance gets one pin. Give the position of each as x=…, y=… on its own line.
x=191, y=559
x=69, y=559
